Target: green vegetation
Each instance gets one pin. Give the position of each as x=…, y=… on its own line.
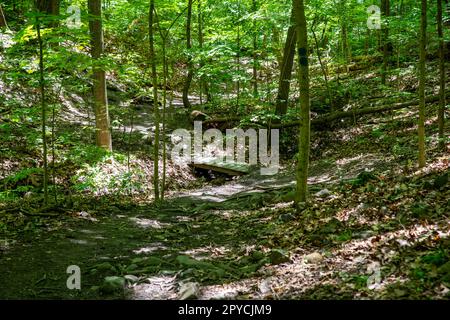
x=353, y=95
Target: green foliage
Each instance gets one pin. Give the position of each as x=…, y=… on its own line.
x=436, y=258
x=107, y=174
x=362, y=179
x=23, y=175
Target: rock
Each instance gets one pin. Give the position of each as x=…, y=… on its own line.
x=286, y=217
x=112, y=284
x=189, y=291
x=85, y=215
x=265, y=286
x=324, y=193
x=278, y=256
x=257, y=255
x=313, y=258
x=332, y=226
x=198, y=116
x=131, y=278
x=28, y=195
x=366, y=176
x=105, y=266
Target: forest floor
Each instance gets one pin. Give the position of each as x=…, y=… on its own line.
x=376, y=228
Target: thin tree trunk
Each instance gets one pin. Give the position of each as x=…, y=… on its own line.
x=366, y=42
x=276, y=45
x=386, y=13
x=441, y=114
x=43, y=109
x=323, y=67
x=165, y=69
x=50, y=7
x=3, y=23
x=164, y=37
x=345, y=46
x=422, y=79
x=238, y=56
x=286, y=69
x=200, y=45
x=305, y=121
x=255, y=52
x=54, y=7
x=344, y=34
x=103, y=133
x=152, y=58
x=190, y=75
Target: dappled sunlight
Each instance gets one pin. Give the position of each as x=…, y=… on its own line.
x=149, y=223
x=207, y=252
x=227, y=291
x=320, y=178
x=150, y=248
x=114, y=144
x=354, y=257
x=182, y=218
x=155, y=288
x=78, y=241
x=362, y=158
x=214, y=194
x=439, y=164
x=224, y=214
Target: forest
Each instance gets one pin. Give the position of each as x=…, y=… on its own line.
x=224, y=150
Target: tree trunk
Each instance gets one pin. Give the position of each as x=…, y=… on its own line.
x=276, y=45
x=238, y=56
x=43, y=108
x=3, y=23
x=422, y=79
x=286, y=69
x=152, y=58
x=345, y=46
x=190, y=75
x=344, y=34
x=385, y=4
x=324, y=69
x=50, y=7
x=200, y=45
x=304, y=133
x=103, y=133
x=441, y=114
x=255, y=53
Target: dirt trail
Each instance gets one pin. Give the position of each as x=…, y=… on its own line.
x=208, y=223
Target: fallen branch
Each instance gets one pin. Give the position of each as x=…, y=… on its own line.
x=333, y=116
x=357, y=112
x=29, y=213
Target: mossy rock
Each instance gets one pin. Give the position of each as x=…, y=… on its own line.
x=278, y=256
x=112, y=285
